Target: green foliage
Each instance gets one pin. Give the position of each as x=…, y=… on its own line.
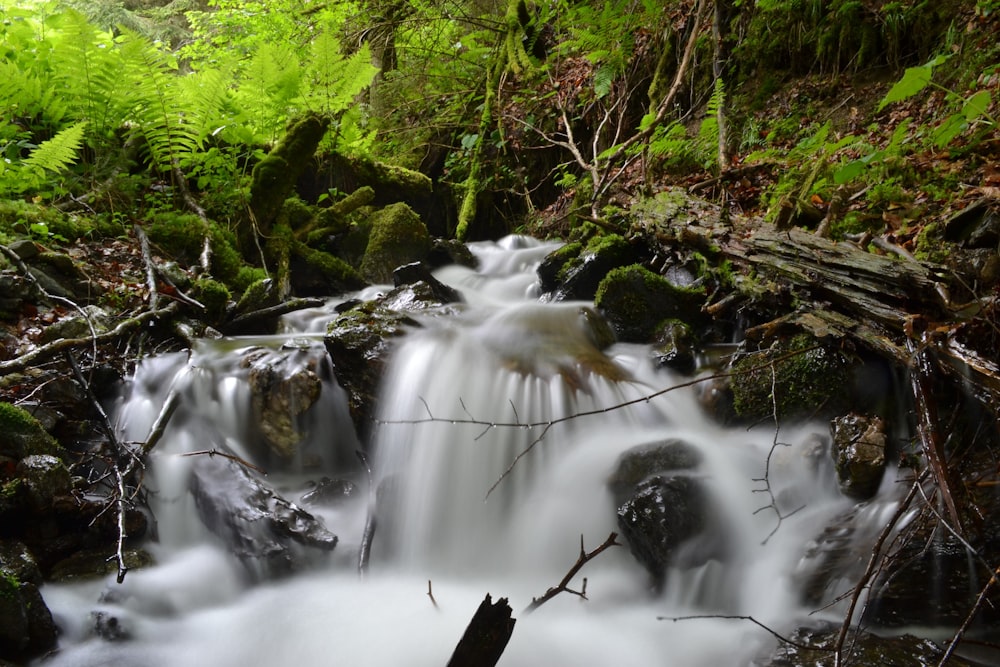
x=970, y=110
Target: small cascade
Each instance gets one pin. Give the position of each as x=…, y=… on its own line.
x=499, y=427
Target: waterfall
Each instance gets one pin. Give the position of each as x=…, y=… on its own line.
x=499, y=425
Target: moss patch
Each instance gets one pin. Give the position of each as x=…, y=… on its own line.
x=636, y=301
x=22, y=435
x=808, y=379
x=398, y=236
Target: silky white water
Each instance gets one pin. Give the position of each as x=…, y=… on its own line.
x=505, y=369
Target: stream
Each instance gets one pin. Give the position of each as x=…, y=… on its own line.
x=463, y=397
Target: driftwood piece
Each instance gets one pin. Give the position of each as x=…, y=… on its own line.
x=486, y=636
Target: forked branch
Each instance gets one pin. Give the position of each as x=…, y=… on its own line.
x=563, y=586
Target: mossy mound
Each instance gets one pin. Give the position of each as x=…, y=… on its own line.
x=636, y=301
x=22, y=435
x=800, y=377
x=214, y=296
x=44, y=223
x=182, y=236
x=398, y=236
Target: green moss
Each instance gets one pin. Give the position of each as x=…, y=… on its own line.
x=637, y=302
x=22, y=435
x=807, y=377
x=43, y=223
x=296, y=213
x=182, y=236
x=214, y=296
x=931, y=246
x=319, y=273
x=274, y=177
x=398, y=236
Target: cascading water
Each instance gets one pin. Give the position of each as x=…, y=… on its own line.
x=465, y=395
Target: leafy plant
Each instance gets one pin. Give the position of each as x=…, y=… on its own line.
x=971, y=109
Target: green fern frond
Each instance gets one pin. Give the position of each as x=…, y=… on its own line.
x=59, y=152
x=159, y=106
x=334, y=80
x=87, y=69
x=270, y=83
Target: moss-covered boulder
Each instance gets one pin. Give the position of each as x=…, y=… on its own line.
x=799, y=377
x=638, y=302
x=215, y=296
x=580, y=275
x=398, y=236
x=274, y=177
x=21, y=435
x=182, y=236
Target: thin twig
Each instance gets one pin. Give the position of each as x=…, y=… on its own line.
x=430, y=594
x=563, y=586
x=368, y=535
x=781, y=638
x=226, y=455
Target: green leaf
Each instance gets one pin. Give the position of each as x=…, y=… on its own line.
x=849, y=172
x=953, y=126
x=58, y=152
x=977, y=106
x=914, y=80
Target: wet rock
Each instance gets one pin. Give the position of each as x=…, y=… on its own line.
x=91, y=563
x=26, y=625
x=398, y=236
x=800, y=377
x=637, y=301
x=811, y=646
x=554, y=263
x=46, y=477
x=660, y=517
x=716, y=398
x=271, y=536
x=417, y=272
x=110, y=627
x=329, y=492
x=450, y=251
x=975, y=226
x=859, y=443
x=359, y=342
x=674, y=348
x=283, y=389
x=94, y=320
x=644, y=462
x=15, y=291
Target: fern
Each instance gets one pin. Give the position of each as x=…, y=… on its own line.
x=708, y=131
x=270, y=83
x=334, y=80
x=88, y=73
x=59, y=152
x=159, y=107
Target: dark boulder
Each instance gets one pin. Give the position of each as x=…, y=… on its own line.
x=26, y=626
x=271, y=536
x=638, y=302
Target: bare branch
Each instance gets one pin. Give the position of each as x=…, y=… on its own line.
x=563, y=586
x=779, y=637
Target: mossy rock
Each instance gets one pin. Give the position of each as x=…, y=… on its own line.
x=636, y=301
x=398, y=236
x=273, y=178
x=45, y=223
x=809, y=379
x=21, y=435
x=581, y=275
x=554, y=264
